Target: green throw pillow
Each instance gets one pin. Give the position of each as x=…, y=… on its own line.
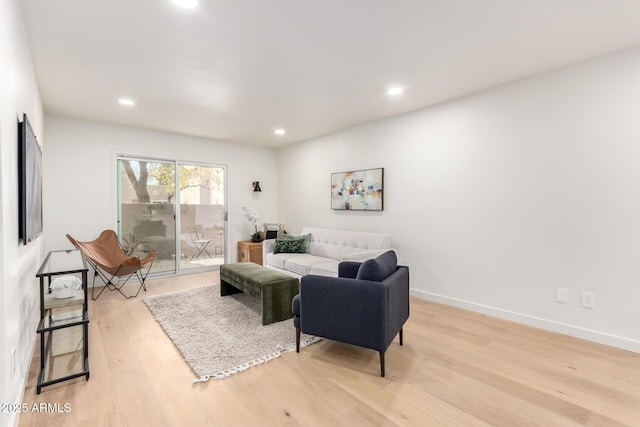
x=292, y=244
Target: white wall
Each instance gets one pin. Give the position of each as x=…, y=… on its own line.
x=496, y=199
x=18, y=263
x=80, y=176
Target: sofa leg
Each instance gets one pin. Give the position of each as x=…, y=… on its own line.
x=381, y=363
x=400, y=336
x=297, y=340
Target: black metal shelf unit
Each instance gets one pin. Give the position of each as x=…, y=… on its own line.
x=68, y=318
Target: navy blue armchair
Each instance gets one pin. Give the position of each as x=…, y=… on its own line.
x=367, y=305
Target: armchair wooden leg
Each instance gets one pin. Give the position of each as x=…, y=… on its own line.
x=297, y=340
x=400, y=336
x=381, y=363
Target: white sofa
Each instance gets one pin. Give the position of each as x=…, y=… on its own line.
x=328, y=247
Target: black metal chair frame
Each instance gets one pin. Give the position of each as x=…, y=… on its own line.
x=108, y=281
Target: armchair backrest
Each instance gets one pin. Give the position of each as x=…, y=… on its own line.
x=378, y=268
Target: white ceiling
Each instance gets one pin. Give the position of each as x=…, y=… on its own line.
x=236, y=69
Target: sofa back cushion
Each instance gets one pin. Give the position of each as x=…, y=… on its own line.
x=335, y=244
x=378, y=268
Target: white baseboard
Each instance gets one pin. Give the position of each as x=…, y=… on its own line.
x=550, y=325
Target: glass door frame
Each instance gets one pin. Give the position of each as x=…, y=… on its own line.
x=176, y=207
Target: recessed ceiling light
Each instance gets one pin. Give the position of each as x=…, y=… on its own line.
x=396, y=90
x=127, y=102
x=187, y=4
x=279, y=131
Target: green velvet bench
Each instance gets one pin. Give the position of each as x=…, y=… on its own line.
x=275, y=290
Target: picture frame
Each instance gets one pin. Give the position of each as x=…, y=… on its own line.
x=359, y=190
x=273, y=230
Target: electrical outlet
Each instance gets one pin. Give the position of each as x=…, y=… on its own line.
x=588, y=299
x=562, y=295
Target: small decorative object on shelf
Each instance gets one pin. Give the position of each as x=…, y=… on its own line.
x=252, y=216
x=65, y=287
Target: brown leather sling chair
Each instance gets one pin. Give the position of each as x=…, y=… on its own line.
x=108, y=259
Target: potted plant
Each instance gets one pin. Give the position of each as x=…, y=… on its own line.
x=252, y=217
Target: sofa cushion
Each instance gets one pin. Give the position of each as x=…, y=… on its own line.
x=292, y=244
x=302, y=263
x=277, y=260
x=329, y=269
x=379, y=268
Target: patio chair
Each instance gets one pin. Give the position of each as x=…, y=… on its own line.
x=110, y=262
x=200, y=242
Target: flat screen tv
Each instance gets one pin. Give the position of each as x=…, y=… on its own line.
x=29, y=182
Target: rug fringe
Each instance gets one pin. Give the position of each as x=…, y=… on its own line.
x=255, y=362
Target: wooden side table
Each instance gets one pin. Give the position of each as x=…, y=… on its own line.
x=249, y=251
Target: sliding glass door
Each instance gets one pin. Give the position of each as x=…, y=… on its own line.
x=189, y=238
x=202, y=216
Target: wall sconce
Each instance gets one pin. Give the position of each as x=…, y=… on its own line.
x=256, y=186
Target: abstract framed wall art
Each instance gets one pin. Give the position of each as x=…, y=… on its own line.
x=359, y=190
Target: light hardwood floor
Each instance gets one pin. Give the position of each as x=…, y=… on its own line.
x=456, y=368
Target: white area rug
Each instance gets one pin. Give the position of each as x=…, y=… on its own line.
x=220, y=336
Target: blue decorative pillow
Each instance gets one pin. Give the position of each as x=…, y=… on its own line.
x=379, y=268
x=292, y=244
